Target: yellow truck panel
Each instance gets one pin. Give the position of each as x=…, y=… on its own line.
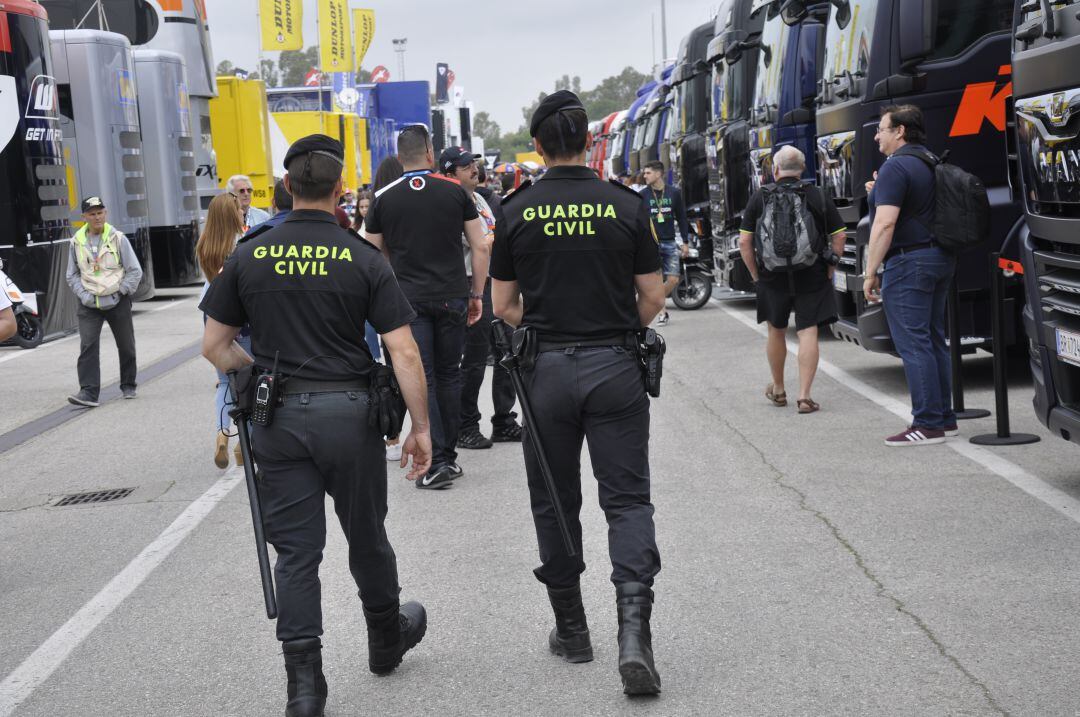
x=339, y=125
x=239, y=120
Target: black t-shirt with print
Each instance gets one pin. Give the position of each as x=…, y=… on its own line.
x=421, y=217
x=574, y=243
x=307, y=287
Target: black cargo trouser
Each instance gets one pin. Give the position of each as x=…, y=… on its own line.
x=320, y=444
x=593, y=394
x=479, y=346
x=123, y=329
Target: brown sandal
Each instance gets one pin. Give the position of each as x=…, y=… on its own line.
x=778, y=399
x=807, y=405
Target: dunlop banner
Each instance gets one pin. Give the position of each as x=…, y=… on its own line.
x=282, y=24
x=335, y=41
x=364, y=26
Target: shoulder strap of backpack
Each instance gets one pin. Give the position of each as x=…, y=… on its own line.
x=925, y=155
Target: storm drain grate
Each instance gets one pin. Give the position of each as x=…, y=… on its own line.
x=96, y=496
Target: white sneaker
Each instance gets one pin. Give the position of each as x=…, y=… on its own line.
x=393, y=453
x=662, y=319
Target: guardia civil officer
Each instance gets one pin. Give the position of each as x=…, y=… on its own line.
x=306, y=288
x=575, y=260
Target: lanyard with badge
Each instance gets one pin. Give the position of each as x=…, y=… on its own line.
x=659, y=200
x=95, y=254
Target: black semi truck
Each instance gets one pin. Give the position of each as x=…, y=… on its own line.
x=1046, y=48
x=34, y=201
x=951, y=58
x=728, y=135
x=691, y=107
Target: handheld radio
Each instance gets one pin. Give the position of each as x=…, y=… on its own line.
x=266, y=396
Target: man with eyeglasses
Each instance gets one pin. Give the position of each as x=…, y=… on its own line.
x=915, y=282
x=240, y=185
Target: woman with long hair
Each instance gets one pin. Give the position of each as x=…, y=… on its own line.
x=224, y=227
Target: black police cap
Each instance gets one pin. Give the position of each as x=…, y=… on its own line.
x=316, y=144
x=559, y=101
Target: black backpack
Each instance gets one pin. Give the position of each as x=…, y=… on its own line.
x=787, y=235
x=961, y=206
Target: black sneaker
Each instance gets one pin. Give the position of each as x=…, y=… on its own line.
x=455, y=471
x=435, y=480
x=473, y=439
x=82, y=398
x=507, y=434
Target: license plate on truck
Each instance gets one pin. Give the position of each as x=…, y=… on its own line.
x=1068, y=346
x=839, y=281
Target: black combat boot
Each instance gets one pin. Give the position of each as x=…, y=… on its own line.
x=569, y=639
x=639, y=675
x=307, y=686
x=392, y=633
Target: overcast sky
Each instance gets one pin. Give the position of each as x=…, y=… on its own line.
x=519, y=47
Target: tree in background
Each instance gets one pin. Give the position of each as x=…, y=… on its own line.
x=268, y=73
x=225, y=68
x=295, y=64
x=485, y=128
x=613, y=94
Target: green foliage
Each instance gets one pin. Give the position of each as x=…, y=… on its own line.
x=295, y=65
x=268, y=73
x=485, y=128
x=225, y=68
x=613, y=94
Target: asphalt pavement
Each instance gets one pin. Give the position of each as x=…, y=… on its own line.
x=807, y=568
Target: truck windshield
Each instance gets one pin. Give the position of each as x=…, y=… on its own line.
x=639, y=133
x=770, y=60
x=847, y=53
x=960, y=23
x=720, y=78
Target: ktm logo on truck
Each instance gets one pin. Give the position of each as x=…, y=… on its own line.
x=983, y=101
x=42, y=102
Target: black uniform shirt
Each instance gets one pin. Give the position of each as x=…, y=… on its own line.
x=306, y=287
x=421, y=217
x=812, y=278
x=574, y=244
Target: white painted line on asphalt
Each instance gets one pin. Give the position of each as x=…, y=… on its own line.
x=1037, y=488
x=169, y=305
x=14, y=354
x=37, y=668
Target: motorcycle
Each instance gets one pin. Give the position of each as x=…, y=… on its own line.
x=29, y=333
x=695, y=279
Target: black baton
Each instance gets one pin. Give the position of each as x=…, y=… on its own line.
x=241, y=420
x=510, y=363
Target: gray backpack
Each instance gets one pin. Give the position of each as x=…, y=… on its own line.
x=787, y=237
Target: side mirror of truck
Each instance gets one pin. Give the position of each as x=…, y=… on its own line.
x=732, y=41
x=799, y=115
x=793, y=12
x=916, y=32
x=898, y=85
x=701, y=67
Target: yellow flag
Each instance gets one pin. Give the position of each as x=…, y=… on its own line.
x=282, y=24
x=335, y=41
x=364, y=25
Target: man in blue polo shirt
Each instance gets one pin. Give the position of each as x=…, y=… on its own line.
x=915, y=283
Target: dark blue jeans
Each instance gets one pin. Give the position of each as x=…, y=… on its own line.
x=439, y=330
x=914, y=290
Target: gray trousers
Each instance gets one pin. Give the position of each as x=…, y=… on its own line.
x=320, y=444
x=123, y=329
x=593, y=394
